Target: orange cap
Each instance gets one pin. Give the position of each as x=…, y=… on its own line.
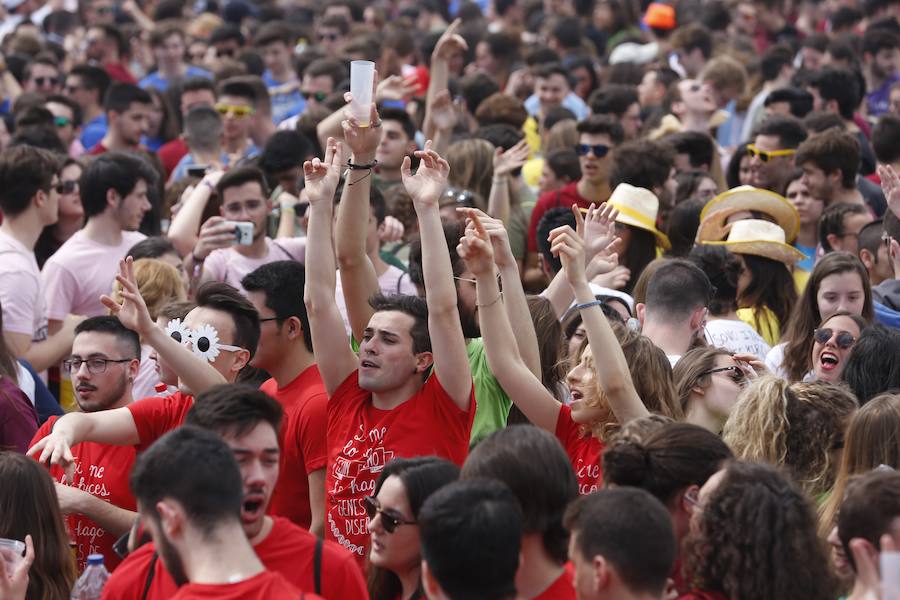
x=660, y=16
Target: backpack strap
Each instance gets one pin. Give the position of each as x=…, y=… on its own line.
x=150, y=575
x=317, y=566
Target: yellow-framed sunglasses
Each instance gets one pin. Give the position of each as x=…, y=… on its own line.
x=766, y=155
x=238, y=110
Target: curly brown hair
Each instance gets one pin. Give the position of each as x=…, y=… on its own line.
x=757, y=539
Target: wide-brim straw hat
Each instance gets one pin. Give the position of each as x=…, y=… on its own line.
x=759, y=238
x=746, y=198
x=638, y=207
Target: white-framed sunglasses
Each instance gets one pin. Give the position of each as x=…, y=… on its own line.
x=204, y=340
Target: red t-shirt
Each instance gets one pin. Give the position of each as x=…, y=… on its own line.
x=265, y=586
x=288, y=549
x=102, y=471
x=561, y=589
x=97, y=149
x=302, y=441
x=157, y=415
x=585, y=452
x=362, y=439
x=700, y=595
x=171, y=153
x=565, y=197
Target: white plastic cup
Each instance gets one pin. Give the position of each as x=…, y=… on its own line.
x=890, y=575
x=362, y=76
x=12, y=552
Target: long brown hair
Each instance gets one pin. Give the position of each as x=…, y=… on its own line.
x=688, y=372
x=794, y=425
x=8, y=366
x=872, y=439
x=28, y=505
x=805, y=317
x=772, y=287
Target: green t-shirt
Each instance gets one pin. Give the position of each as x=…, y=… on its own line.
x=492, y=402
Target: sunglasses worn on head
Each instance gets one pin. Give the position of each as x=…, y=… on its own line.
x=734, y=373
x=767, y=155
x=239, y=111
x=599, y=150
x=842, y=339
x=390, y=520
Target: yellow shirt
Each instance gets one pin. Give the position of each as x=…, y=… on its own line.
x=763, y=321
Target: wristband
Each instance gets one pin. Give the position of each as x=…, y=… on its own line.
x=197, y=260
x=589, y=304
x=393, y=104
x=355, y=167
x=287, y=208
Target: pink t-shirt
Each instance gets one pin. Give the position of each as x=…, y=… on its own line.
x=80, y=272
x=228, y=265
x=392, y=281
x=20, y=290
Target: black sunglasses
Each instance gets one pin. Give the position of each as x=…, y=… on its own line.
x=389, y=519
x=318, y=96
x=327, y=36
x=46, y=80
x=599, y=150
x=736, y=374
x=843, y=340
x=66, y=187
x=463, y=198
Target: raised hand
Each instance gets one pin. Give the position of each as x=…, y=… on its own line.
x=510, y=160
x=394, y=87
x=890, y=185
x=597, y=228
x=362, y=141
x=569, y=247
x=503, y=256
x=214, y=234
x=450, y=43
x=443, y=113
x=55, y=450
x=475, y=246
x=428, y=183
x=132, y=311
x=391, y=230
x=322, y=177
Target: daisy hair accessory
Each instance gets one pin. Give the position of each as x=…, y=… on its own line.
x=204, y=340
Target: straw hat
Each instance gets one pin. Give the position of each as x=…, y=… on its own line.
x=638, y=207
x=760, y=238
x=744, y=198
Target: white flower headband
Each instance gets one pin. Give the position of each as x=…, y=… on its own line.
x=204, y=340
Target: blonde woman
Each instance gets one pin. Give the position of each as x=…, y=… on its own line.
x=159, y=283
x=798, y=426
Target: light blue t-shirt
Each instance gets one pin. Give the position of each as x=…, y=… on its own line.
x=284, y=106
x=155, y=80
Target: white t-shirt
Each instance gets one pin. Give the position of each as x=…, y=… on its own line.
x=230, y=266
x=775, y=363
x=145, y=383
x=80, y=272
x=21, y=296
x=392, y=281
x=26, y=381
x=736, y=336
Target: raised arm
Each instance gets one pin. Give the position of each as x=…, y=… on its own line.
x=358, y=278
x=333, y=354
x=448, y=346
x=195, y=372
x=448, y=45
x=185, y=228
x=504, y=164
x=519, y=383
x=609, y=360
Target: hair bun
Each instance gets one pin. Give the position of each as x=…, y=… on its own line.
x=626, y=463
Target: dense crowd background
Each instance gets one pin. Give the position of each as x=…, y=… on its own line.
x=597, y=299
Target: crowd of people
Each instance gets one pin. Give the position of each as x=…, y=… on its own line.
x=600, y=302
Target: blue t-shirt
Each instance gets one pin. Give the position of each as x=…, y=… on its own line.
x=284, y=106
x=93, y=131
x=809, y=257
x=155, y=80
x=878, y=101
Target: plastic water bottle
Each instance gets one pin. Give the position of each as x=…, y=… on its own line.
x=90, y=585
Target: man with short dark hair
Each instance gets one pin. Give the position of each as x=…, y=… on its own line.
x=621, y=102
x=692, y=47
x=113, y=192
x=194, y=517
x=622, y=545
x=881, y=63
x=217, y=256
x=236, y=103
x=248, y=421
x=471, y=533
x=274, y=42
x=777, y=69
x=67, y=122
x=552, y=88
x=87, y=85
x=874, y=253
x=203, y=134
x=285, y=351
x=168, y=44
x=193, y=92
x=693, y=104
x=397, y=142
x=830, y=161
x=676, y=308
x=108, y=47
x=839, y=227
x=127, y=110
x=772, y=152
x=29, y=203
x=693, y=150
x=645, y=164
x=98, y=505
x=42, y=76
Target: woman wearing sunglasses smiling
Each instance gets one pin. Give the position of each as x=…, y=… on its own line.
x=833, y=342
x=395, y=558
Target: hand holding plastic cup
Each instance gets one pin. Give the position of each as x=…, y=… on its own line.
x=362, y=78
x=11, y=551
